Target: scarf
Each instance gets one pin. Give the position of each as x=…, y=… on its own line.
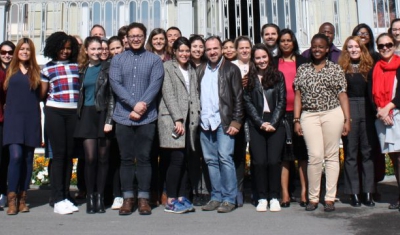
x=383, y=80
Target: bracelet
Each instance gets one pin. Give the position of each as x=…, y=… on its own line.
x=345, y=120
x=296, y=120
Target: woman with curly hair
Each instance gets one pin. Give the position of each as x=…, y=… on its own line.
x=157, y=43
x=60, y=88
x=265, y=104
x=22, y=129
x=356, y=62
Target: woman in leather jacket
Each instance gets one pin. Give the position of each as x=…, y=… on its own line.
x=95, y=106
x=265, y=104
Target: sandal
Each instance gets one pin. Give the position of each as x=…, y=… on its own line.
x=311, y=206
x=394, y=206
x=329, y=206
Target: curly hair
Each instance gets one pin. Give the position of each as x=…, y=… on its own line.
x=366, y=60
x=56, y=42
x=83, y=59
x=271, y=74
x=31, y=64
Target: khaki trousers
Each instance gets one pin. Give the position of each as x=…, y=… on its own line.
x=322, y=132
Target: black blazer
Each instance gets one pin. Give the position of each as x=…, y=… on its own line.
x=276, y=98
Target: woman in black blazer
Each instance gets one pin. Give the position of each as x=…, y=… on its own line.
x=265, y=103
x=287, y=61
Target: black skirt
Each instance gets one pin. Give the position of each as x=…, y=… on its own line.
x=298, y=149
x=91, y=124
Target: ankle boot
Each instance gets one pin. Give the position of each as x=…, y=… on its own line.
x=90, y=203
x=100, y=203
x=12, y=203
x=22, y=207
x=368, y=200
x=354, y=200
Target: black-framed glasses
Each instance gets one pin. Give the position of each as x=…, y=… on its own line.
x=6, y=52
x=387, y=45
x=133, y=37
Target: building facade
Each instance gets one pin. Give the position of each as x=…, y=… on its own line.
x=37, y=19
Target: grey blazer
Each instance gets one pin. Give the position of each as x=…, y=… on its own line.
x=178, y=104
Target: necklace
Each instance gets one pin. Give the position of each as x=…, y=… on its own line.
x=355, y=68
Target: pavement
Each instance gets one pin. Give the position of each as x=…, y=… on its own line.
x=245, y=220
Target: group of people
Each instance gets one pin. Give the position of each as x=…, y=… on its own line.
x=182, y=112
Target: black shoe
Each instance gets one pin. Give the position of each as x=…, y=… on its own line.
x=311, y=206
x=329, y=206
x=394, y=206
x=285, y=204
x=303, y=203
x=368, y=200
x=354, y=201
x=100, y=204
x=51, y=202
x=90, y=203
x=197, y=200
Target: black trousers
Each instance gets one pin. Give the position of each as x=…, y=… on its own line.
x=4, y=161
x=359, y=141
x=60, y=126
x=266, y=153
x=135, y=144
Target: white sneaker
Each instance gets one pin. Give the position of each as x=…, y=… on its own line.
x=3, y=200
x=71, y=205
x=274, y=205
x=62, y=208
x=262, y=205
x=117, y=203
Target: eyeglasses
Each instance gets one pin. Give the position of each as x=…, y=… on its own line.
x=133, y=37
x=395, y=30
x=7, y=52
x=363, y=34
x=387, y=45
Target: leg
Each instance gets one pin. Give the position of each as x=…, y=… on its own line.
x=312, y=130
x=90, y=147
x=303, y=181
x=332, y=126
x=275, y=144
x=239, y=160
x=285, y=182
x=14, y=168
x=209, y=146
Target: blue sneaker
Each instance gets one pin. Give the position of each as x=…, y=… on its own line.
x=175, y=207
x=187, y=204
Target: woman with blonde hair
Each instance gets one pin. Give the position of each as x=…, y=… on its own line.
x=22, y=128
x=356, y=62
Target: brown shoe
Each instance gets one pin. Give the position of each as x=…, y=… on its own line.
x=12, y=203
x=143, y=207
x=127, y=206
x=22, y=207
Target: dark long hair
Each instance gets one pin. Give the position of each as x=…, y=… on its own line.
x=296, y=49
x=370, y=45
x=271, y=75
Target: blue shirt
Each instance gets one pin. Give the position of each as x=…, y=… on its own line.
x=89, y=83
x=209, y=99
x=135, y=76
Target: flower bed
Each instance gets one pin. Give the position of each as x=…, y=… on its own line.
x=40, y=174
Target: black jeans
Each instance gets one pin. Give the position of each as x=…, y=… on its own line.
x=135, y=144
x=60, y=126
x=359, y=140
x=176, y=177
x=266, y=153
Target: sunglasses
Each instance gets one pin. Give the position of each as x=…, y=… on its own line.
x=387, y=45
x=7, y=52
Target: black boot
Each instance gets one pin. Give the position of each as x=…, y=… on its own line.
x=354, y=201
x=100, y=203
x=368, y=200
x=90, y=203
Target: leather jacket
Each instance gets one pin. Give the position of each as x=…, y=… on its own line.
x=103, y=95
x=230, y=93
x=276, y=98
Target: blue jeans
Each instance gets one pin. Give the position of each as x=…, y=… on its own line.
x=218, y=150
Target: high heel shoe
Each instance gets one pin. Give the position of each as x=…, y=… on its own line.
x=90, y=203
x=354, y=201
x=368, y=200
x=100, y=204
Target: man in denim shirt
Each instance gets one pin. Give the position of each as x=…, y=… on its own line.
x=136, y=76
x=221, y=100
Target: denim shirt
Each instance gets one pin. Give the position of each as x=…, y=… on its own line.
x=136, y=76
x=209, y=99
